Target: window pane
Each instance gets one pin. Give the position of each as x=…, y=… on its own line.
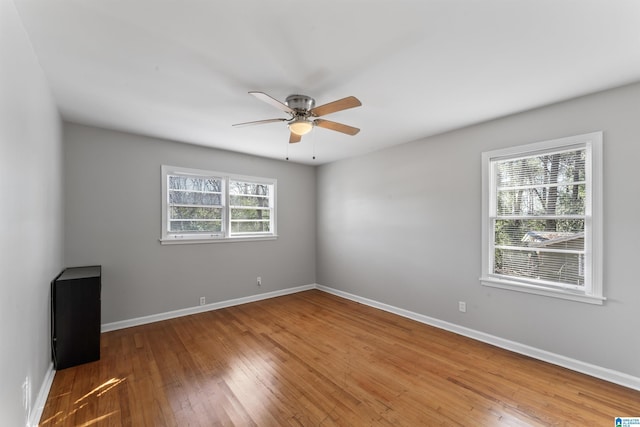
x=241, y=187
x=551, y=233
x=193, y=198
x=250, y=226
x=250, y=207
x=195, y=226
x=188, y=190
x=554, y=267
x=250, y=214
x=536, y=201
x=552, y=249
x=195, y=183
x=195, y=204
x=178, y=212
x=549, y=184
x=242, y=200
x=561, y=168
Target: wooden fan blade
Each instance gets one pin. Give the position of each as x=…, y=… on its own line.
x=294, y=137
x=260, y=122
x=272, y=101
x=339, y=127
x=339, y=105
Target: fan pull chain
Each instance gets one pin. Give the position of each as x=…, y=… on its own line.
x=287, y=158
x=314, y=147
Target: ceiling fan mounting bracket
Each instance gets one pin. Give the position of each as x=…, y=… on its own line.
x=301, y=104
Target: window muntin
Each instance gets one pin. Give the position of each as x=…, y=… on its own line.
x=538, y=214
x=204, y=205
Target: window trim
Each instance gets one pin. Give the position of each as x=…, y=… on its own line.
x=593, y=293
x=168, y=238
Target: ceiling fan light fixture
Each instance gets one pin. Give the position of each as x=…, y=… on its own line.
x=301, y=126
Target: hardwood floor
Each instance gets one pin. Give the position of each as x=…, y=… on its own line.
x=312, y=359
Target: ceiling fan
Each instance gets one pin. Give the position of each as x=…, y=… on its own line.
x=303, y=114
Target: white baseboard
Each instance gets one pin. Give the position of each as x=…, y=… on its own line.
x=606, y=374
x=41, y=399
x=106, y=327
x=556, y=359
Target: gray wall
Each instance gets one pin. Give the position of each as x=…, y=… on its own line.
x=113, y=207
x=31, y=217
x=402, y=227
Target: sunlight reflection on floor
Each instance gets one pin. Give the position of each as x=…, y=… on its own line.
x=61, y=417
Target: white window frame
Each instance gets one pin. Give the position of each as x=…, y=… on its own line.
x=593, y=289
x=168, y=238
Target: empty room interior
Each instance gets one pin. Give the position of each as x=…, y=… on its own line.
x=330, y=213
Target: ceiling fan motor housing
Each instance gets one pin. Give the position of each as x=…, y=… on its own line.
x=300, y=103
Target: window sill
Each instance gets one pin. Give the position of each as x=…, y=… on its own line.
x=539, y=290
x=198, y=241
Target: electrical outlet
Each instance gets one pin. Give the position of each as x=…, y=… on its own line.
x=259, y=281
x=462, y=306
x=203, y=300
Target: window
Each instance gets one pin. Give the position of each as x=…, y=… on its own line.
x=250, y=206
x=201, y=206
x=542, y=218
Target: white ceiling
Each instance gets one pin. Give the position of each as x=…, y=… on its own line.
x=181, y=69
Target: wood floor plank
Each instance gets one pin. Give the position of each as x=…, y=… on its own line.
x=312, y=359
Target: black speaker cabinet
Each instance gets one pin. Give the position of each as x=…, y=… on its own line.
x=75, y=316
